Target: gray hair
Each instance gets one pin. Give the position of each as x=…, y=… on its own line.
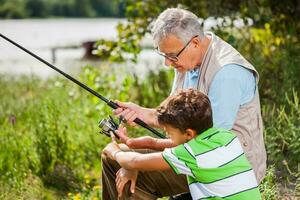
x=178, y=22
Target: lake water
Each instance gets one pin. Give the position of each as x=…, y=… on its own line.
x=41, y=35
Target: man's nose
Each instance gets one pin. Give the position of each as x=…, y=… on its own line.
x=168, y=62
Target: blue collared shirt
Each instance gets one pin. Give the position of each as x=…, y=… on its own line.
x=232, y=87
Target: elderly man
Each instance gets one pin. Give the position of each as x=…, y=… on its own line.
x=205, y=62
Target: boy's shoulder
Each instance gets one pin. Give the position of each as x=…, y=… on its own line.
x=214, y=134
x=207, y=141
x=211, y=139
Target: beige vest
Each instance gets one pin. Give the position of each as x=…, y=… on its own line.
x=248, y=124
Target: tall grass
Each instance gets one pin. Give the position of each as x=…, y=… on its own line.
x=282, y=138
x=50, y=146
x=47, y=132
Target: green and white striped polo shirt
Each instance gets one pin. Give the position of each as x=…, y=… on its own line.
x=215, y=165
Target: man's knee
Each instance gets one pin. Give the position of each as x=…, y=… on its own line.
x=139, y=194
x=104, y=161
x=109, y=167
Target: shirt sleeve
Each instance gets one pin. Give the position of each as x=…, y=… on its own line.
x=175, y=158
x=231, y=87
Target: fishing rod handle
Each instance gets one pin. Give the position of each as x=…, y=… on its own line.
x=138, y=121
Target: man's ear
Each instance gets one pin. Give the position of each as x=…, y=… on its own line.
x=190, y=133
x=196, y=42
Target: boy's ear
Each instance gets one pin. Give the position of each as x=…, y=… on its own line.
x=190, y=133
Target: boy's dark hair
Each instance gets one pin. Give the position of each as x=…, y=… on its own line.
x=187, y=109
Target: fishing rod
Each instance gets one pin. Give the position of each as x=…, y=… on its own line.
x=102, y=98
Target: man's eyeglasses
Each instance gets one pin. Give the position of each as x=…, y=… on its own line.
x=174, y=58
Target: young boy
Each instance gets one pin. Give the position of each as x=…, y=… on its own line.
x=212, y=159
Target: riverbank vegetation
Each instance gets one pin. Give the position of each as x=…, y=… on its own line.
x=49, y=141
x=50, y=145
x=19, y=9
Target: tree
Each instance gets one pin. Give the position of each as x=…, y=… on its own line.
x=271, y=43
x=9, y=9
x=68, y=8
x=283, y=17
x=36, y=8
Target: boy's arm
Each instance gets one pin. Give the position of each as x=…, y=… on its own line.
x=144, y=162
x=136, y=161
x=144, y=142
x=147, y=142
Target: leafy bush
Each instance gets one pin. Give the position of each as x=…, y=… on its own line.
x=46, y=131
x=49, y=131
x=282, y=128
x=269, y=188
x=49, y=128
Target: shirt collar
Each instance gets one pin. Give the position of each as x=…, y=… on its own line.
x=194, y=71
x=209, y=132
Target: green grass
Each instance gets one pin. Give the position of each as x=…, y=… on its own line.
x=50, y=147
x=48, y=134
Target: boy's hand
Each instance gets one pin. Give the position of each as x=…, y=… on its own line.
x=111, y=149
x=122, y=133
x=145, y=142
x=123, y=176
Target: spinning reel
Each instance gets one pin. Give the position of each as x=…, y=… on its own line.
x=109, y=126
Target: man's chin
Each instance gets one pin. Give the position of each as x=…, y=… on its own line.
x=180, y=69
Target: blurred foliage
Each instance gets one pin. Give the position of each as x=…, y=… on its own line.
x=67, y=8
x=283, y=17
x=269, y=39
x=38, y=135
x=8, y=9
x=282, y=128
x=49, y=132
x=275, y=56
x=271, y=43
x=48, y=138
x=49, y=142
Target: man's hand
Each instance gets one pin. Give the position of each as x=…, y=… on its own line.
x=130, y=111
x=123, y=176
x=111, y=149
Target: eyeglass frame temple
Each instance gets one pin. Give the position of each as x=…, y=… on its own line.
x=175, y=58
